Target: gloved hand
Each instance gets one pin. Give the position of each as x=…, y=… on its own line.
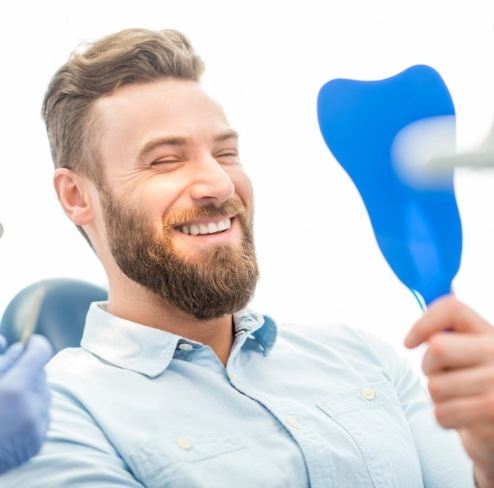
x=24, y=400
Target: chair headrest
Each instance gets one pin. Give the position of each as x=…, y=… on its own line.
x=62, y=313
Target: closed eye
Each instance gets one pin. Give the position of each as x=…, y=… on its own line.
x=228, y=154
x=165, y=161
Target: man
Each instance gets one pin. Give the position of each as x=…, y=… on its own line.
x=176, y=383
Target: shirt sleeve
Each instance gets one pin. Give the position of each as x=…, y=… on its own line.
x=443, y=460
x=76, y=453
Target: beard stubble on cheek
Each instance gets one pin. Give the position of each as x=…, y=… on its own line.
x=217, y=282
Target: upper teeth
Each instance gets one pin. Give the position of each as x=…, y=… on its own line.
x=209, y=228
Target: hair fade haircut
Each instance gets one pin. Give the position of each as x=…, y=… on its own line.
x=128, y=56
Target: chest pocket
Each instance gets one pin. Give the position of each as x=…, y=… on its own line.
x=185, y=461
x=372, y=416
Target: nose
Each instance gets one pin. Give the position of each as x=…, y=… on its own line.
x=211, y=182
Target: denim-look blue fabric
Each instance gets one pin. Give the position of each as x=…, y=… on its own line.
x=295, y=407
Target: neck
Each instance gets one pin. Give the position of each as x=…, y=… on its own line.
x=132, y=302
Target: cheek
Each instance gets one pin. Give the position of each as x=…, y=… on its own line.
x=243, y=188
x=157, y=196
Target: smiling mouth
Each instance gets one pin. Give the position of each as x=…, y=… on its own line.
x=205, y=228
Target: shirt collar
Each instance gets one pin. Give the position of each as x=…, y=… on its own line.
x=262, y=327
x=148, y=350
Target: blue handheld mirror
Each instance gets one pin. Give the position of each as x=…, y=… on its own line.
x=418, y=229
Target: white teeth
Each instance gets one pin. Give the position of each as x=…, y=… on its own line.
x=209, y=228
x=212, y=228
x=224, y=224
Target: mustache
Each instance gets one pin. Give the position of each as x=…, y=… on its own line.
x=227, y=209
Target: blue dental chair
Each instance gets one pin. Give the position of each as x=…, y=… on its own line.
x=62, y=313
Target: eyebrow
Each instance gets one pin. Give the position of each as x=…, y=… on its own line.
x=180, y=141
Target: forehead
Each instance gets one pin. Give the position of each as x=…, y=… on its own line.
x=134, y=114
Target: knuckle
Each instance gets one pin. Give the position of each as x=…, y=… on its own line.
x=437, y=347
x=441, y=416
x=425, y=364
x=434, y=388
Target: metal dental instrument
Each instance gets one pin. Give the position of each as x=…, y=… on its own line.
x=28, y=313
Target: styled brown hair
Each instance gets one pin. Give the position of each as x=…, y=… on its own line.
x=128, y=56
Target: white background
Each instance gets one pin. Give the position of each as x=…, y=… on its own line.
x=265, y=64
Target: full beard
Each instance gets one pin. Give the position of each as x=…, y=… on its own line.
x=215, y=283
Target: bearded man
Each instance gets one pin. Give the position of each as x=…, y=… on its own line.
x=176, y=382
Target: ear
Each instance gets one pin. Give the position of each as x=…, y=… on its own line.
x=73, y=191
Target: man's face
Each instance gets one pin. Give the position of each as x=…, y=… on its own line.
x=176, y=202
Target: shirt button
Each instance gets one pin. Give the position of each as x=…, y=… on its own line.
x=368, y=393
x=185, y=346
x=184, y=443
x=292, y=422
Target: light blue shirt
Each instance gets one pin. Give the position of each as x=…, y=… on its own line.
x=136, y=406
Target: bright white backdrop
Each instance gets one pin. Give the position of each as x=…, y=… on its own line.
x=265, y=63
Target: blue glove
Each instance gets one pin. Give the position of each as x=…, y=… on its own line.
x=24, y=401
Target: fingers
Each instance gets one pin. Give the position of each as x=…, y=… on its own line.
x=459, y=363
x=446, y=314
x=36, y=354
x=465, y=412
x=461, y=383
x=457, y=350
